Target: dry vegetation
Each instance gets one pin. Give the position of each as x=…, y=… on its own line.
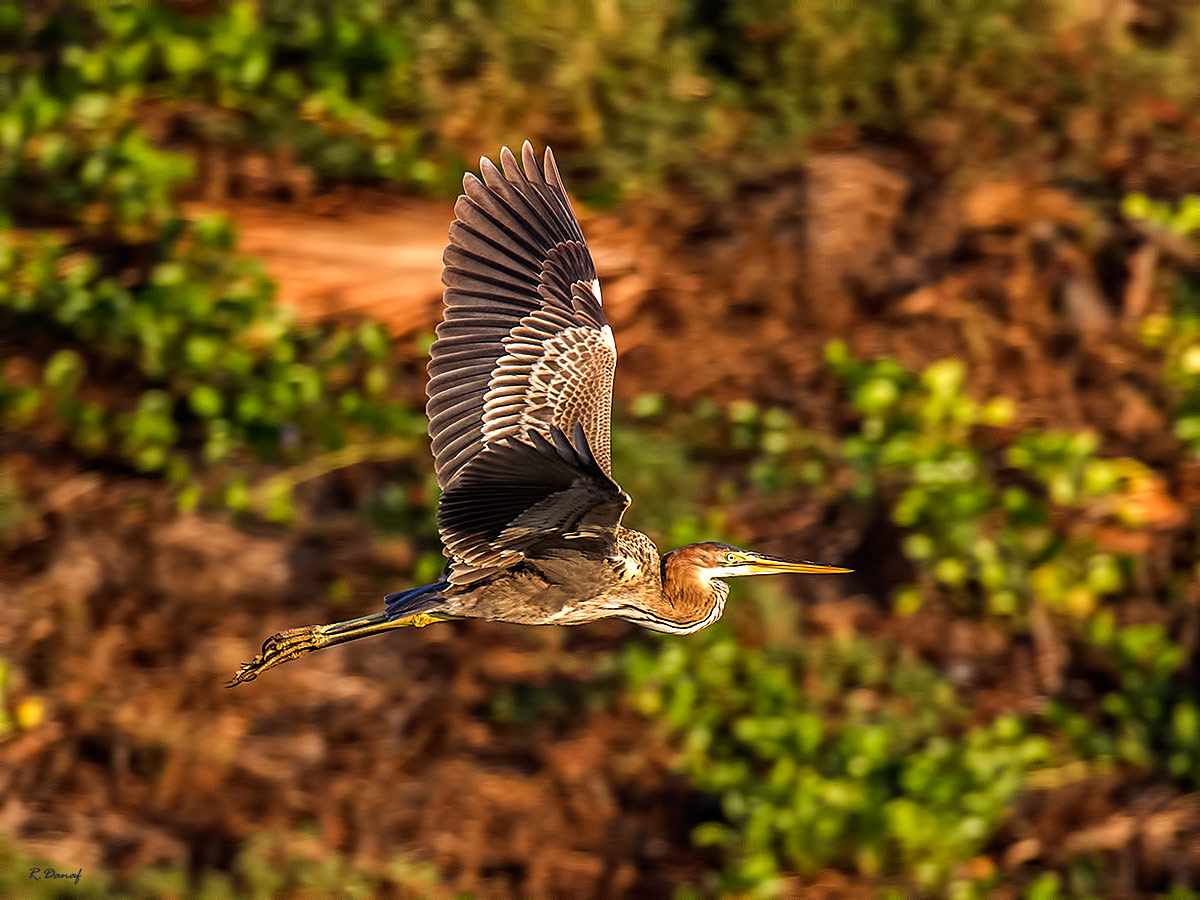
x=142, y=558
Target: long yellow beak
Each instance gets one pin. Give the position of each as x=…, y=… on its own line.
x=773, y=565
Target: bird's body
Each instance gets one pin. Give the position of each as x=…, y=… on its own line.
x=633, y=583
x=520, y=391
x=566, y=589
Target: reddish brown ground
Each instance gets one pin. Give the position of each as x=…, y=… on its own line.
x=127, y=617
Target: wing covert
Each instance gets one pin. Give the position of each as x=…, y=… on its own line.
x=524, y=345
x=534, y=496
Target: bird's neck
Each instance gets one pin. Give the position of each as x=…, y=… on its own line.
x=696, y=601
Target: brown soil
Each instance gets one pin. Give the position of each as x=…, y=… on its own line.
x=127, y=617
x=1039, y=292
x=371, y=256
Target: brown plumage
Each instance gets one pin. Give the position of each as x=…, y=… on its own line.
x=520, y=392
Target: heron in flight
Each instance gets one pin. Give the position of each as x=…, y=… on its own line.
x=520, y=391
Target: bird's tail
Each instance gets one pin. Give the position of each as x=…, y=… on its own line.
x=415, y=608
x=403, y=604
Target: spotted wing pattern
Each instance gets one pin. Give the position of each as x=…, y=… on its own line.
x=524, y=358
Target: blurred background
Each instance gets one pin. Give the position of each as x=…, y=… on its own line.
x=912, y=287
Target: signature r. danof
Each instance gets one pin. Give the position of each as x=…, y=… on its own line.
x=37, y=874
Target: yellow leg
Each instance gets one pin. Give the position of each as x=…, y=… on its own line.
x=288, y=645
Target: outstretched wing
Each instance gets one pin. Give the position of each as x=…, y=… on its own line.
x=524, y=357
x=524, y=344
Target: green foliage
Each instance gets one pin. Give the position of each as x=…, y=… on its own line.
x=199, y=366
x=986, y=512
x=271, y=75
x=12, y=509
x=840, y=754
x=1150, y=720
x=1176, y=333
x=145, y=341
x=977, y=529
x=633, y=93
x=268, y=865
x=159, y=347
x=7, y=719
x=660, y=474
x=1079, y=883
x=846, y=753
x=879, y=64
x=1181, y=219
x=15, y=878
x=676, y=463
x=983, y=524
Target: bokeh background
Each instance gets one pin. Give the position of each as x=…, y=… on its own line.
x=908, y=286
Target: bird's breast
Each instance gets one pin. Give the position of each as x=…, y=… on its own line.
x=627, y=568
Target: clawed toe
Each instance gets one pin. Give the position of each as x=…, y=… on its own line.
x=278, y=649
x=248, y=672
x=287, y=645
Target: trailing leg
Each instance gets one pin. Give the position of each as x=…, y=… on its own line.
x=288, y=645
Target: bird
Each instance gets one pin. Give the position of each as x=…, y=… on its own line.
x=519, y=409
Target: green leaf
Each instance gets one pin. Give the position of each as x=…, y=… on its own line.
x=206, y=401
x=182, y=55
x=64, y=371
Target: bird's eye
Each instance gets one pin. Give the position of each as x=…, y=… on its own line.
x=731, y=557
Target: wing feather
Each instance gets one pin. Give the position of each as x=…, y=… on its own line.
x=528, y=497
x=524, y=357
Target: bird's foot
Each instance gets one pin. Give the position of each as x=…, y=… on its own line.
x=281, y=648
x=420, y=620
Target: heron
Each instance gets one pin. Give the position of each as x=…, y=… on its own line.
x=519, y=408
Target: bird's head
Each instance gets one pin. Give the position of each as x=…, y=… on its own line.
x=696, y=594
x=714, y=560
